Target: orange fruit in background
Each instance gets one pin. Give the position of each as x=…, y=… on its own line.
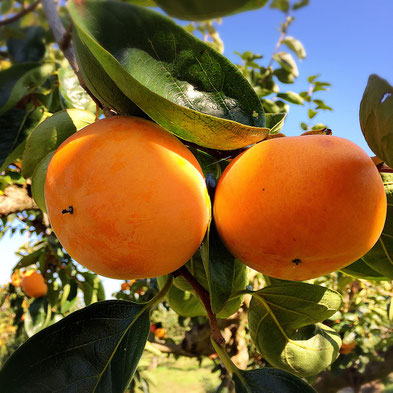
x=16, y=279
x=347, y=348
x=127, y=199
x=296, y=208
x=33, y=284
x=160, y=332
x=125, y=286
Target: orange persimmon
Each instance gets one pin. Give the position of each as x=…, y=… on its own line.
x=127, y=199
x=296, y=208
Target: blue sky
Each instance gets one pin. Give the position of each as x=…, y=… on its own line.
x=345, y=41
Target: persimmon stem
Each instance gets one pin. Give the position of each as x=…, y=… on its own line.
x=205, y=299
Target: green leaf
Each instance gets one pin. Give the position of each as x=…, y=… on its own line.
x=287, y=62
x=275, y=121
x=74, y=94
x=360, y=269
x=99, y=82
x=37, y=317
x=295, y=45
x=292, y=97
x=284, y=75
x=322, y=105
x=15, y=126
x=226, y=275
x=380, y=257
x=49, y=135
x=207, y=9
x=184, y=302
x=282, y=5
x=269, y=380
x=311, y=113
x=29, y=259
x=29, y=48
x=19, y=80
x=300, y=4
x=179, y=81
x=38, y=181
x=298, y=304
x=93, y=349
x=92, y=287
x=312, y=78
x=284, y=326
x=376, y=117
x=390, y=310
x=304, y=126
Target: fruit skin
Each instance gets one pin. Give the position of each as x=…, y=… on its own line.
x=296, y=208
x=160, y=332
x=33, y=284
x=139, y=199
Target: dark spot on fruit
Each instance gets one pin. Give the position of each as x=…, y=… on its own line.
x=296, y=261
x=69, y=210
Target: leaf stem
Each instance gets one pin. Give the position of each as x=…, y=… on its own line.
x=229, y=365
x=205, y=299
x=20, y=14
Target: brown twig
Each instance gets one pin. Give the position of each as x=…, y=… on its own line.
x=205, y=298
x=20, y=14
x=63, y=38
x=384, y=168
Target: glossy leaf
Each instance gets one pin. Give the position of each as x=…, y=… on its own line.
x=73, y=93
x=284, y=326
x=295, y=45
x=29, y=259
x=179, y=81
x=275, y=122
x=19, y=80
x=93, y=349
x=270, y=380
x=376, y=117
x=380, y=257
x=207, y=9
x=286, y=61
x=298, y=304
x=284, y=75
x=15, y=126
x=184, y=302
x=292, y=97
x=361, y=269
x=226, y=275
x=49, y=134
x=38, y=181
x=29, y=48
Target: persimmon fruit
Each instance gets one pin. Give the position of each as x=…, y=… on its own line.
x=296, y=208
x=127, y=199
x=33, y=284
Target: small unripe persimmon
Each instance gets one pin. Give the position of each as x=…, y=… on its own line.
x=296, y=208
x=160, y=332
x=33, y=284
x=127, y=199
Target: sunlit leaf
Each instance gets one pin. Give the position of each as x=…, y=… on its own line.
x=376, y=117
x=179, y=81
x=295, y=45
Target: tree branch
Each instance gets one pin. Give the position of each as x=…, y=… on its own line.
x=63, y=38
x=205, y=298
x=14, y=200
x=20, y=14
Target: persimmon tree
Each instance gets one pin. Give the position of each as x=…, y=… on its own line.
x=65, y=67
